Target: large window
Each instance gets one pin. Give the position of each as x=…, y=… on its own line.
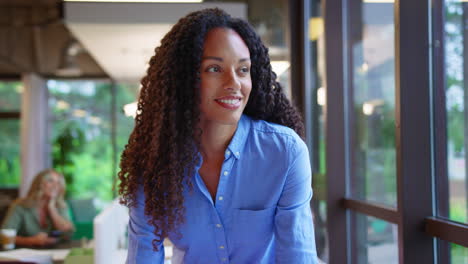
x=81, y=136
x=89, y=130
x=396, y=118
x=10, y=105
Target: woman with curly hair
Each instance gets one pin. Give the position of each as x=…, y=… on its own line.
x=216, y=162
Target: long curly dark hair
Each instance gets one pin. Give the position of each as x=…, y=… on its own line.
x=163, y=148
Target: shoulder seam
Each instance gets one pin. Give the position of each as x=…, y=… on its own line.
x=275, y=131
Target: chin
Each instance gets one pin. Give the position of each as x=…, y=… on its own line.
x=231, y=119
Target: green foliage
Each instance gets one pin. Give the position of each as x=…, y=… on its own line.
x=10, y=169
x=82, y=145
x=10, y=96
x=68, y=143
x=454, y=38
x=455, y=128
x=459, y=254
x=456, y=104
x=458, y=210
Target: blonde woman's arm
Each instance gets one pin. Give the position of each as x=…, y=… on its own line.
x=59, y=220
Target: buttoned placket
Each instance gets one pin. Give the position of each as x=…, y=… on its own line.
x=218, y=205
x=221, y=241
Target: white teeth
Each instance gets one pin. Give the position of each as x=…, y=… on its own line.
x=231, y=101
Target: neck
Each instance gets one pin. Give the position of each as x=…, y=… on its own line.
x=215, y=139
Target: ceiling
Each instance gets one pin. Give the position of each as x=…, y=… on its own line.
x=87, y=40
x=122, y=36
x=33, y=38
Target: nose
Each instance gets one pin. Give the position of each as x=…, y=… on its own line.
x=231, y=81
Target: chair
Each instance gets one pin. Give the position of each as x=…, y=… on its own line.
x=83, y=212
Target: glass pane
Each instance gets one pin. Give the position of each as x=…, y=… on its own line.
x=456, y=76
x=10, y=96
x=317, y=148
x=377, y=240
x=126, y=111
x=10, y=168
x=372, y=118
x=458, y=254
x=81, y=136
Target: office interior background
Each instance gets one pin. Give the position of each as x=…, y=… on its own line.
x=382, y=86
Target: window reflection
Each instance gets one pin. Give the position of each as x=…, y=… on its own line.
x=373, y=88
x=456, y=78
x=377, y=240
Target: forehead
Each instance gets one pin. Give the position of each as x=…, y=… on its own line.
x=52, y=176
x=224, y=42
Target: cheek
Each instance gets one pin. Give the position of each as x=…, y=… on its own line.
x=247, y=88
x=45, y=187
x=207, y=90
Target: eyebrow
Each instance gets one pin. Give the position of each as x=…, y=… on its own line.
x=221, y=59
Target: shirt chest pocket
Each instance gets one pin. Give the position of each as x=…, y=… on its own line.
x=250, y=228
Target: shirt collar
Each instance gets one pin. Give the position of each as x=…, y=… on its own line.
x=240, y=137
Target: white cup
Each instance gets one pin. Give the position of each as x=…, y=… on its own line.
x=7, y=238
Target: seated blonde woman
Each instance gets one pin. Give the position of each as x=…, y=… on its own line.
x=42, y=216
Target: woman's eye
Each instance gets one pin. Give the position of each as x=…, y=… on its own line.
x=213, y=69
x=245, y=69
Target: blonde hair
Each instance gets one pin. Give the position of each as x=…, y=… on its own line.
x=35, y=190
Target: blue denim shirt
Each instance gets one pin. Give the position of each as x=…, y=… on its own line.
x=261, y=213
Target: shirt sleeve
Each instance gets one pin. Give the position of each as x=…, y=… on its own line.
x=13, y=218
x=140, y=236
x=294, y=227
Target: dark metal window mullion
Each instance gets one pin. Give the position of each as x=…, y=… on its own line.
x=10, y=115
x=378, y=211
x=336, y=75
x=447, y=230
x=413, y=130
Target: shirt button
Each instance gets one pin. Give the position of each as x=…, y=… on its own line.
x=220, y=198
x=225, y=173
x=218, y=225
x=237, y=153
x=221, y=247
x=223, y=259
x=228, y=152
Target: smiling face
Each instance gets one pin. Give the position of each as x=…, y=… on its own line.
x=225, y=77
x=51, y=185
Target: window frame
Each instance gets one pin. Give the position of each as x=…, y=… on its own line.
x=422, y=184
x=10, y=114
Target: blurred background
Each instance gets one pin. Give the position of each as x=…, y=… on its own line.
x=69, y=81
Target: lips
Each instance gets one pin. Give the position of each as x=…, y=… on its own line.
x=229, y=102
